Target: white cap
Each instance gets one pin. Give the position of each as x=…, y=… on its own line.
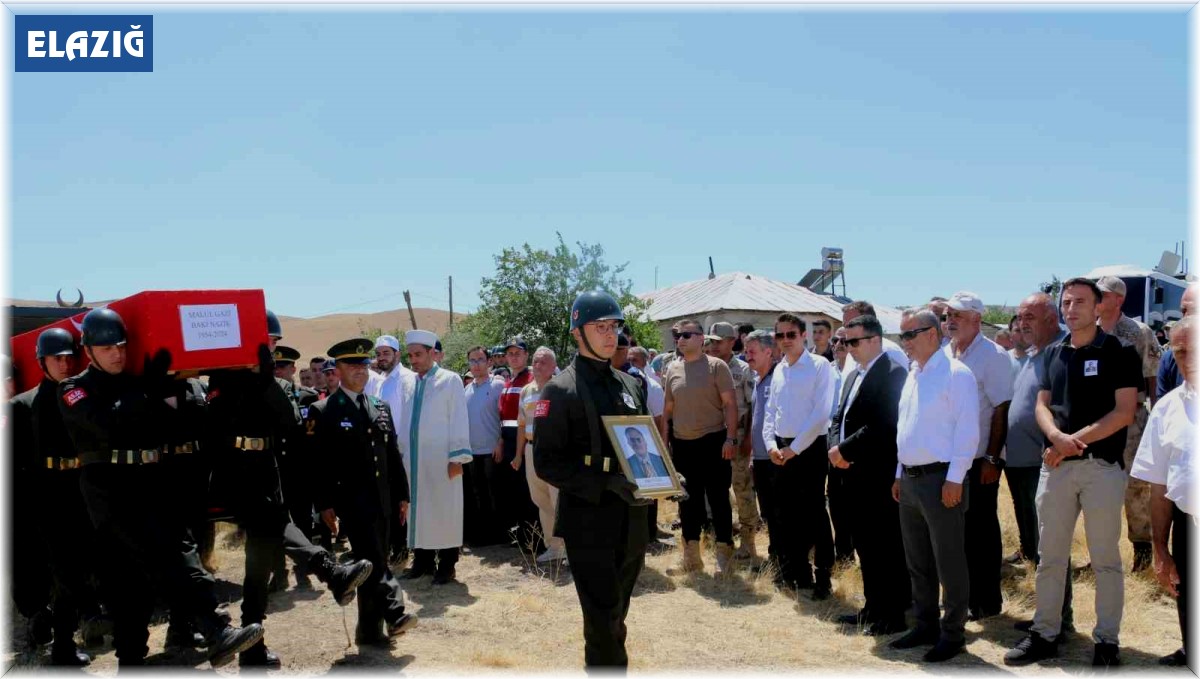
x=423, y=337
x=387, y=341
x=965, y=301
x=1111, y=284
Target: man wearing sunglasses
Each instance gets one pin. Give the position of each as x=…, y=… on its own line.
x=794, y=429
x=863, y=435
x=699, y=402
x=937, y=434
x=863, y=308
x=992, y=368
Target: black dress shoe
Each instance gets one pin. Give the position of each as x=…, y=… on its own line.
x=259, y=656
x=403, y=624
x=915, y=638
x=1176, y=659
x=231, y=641
x=881, y=628
x=278, y=582
x=345, y=579
x=1030, y=650
x=858, y=619
x=943, y=650
x=444, y=576
x=69, y=656
x=94, y=629
x=1106, y=655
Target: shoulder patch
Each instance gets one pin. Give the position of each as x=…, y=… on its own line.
x=74, y=396
x=376, y=401
x=542, y=409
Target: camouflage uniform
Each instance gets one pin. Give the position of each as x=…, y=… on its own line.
x=743, y=488
x=1137, y=493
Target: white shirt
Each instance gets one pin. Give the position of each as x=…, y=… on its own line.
x=993, y=370
x=799, y=401
x=939, y=417
x=655, y=396
x=862, y=374
x=889, y=347
x=1165, y=455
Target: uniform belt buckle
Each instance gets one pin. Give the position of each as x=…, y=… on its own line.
x=149, y=456
x=183, y=449
x=587, y=460
x=49, y=463
x=257, y=444
x=69, y=463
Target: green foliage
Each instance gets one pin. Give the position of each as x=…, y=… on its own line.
x=532, y=291
x=997, y=315
x=1051, y=287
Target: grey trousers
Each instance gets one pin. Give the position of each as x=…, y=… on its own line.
x=934, y=547
x=1097, y=489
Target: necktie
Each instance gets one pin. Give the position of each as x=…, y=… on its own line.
x=362, y=403
x=648, y=469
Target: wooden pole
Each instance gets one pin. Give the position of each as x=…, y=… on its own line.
x=411, y=316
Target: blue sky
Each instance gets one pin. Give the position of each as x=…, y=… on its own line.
x=337, y=158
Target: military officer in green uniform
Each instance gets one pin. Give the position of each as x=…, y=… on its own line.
x=357, y=479
x=598, y=517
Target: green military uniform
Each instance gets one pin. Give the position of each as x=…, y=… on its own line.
x=1137, y=493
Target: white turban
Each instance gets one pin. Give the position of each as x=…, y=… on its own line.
x=423, y=337
x=388, y=341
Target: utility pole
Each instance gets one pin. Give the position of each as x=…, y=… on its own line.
x=452, y=304
x=412, y=318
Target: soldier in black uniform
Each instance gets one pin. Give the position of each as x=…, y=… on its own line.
x=116, y=421
x=600, y=520
x=293, y=469
x=358, y=477
x=55, y=508
x=499, y=362
x=250, y=419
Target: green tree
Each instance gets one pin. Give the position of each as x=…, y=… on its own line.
x=1051, y=287
x=532, y=291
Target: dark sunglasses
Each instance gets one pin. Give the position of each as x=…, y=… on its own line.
x=912, y=334
x=790, y=334
x=854, y=342
x=836, y=340
x=687, y=334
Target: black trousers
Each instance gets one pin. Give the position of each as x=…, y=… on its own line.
x=1181, y=528
x=69, y=539
x=480, y=511
x=380, y=598
x=604, y=580
x=934, y=551
x=801, y=515
x=510, y=491
x=709, y=477
x=30, y=580
x=1022, y=485
x=983, y=543
x=876, y=525
x=764, y=472
x=841, y=513
x=146, y=548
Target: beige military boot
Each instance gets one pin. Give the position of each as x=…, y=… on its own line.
x=747, y=549
x=724, y=559
x=689, y=559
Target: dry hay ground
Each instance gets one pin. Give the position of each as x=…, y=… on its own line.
x=508, y=615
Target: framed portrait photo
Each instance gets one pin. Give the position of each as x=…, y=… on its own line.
x=642, y=455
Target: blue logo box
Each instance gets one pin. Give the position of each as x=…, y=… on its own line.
x=101, y=43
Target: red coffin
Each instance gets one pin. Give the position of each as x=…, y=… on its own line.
x=203, y=330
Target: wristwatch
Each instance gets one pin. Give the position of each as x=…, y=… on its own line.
x=999, y=462
x=732, y=439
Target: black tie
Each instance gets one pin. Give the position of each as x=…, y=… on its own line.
x=362, y=403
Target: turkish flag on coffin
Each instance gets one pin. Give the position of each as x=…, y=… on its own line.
x=203, y=329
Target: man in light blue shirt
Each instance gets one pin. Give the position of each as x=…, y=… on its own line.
x=483, y=418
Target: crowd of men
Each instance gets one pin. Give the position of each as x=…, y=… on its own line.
x=843, y=444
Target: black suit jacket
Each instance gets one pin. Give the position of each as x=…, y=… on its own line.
x=870, y=443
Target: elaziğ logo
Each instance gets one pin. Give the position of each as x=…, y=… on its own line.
x=93, y=43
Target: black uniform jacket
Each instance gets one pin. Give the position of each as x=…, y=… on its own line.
x=590, y=507
x=356, y=458
x=104, y=412
x=870, y=443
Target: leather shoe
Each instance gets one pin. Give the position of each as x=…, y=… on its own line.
x=403, y=624
x=259, y=656
x=917, y=637
x=69, y=657
x=345, y=579
x=881, y=628
x=231, y=641
x=371, y=634
x=943, y=650
x=444, y=576
x=1176, y=659
x=1067, y=628
x=182, y=637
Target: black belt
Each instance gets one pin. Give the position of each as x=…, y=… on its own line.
x=127, y=457
x=924, y=469
x=62, y=463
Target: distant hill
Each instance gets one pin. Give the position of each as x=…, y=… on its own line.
x=313, y=336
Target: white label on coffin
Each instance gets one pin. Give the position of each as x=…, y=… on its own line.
x=210, y=326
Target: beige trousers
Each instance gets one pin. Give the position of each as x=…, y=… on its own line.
x=545, y=496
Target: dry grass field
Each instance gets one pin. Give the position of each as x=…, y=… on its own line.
x=507, y=615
